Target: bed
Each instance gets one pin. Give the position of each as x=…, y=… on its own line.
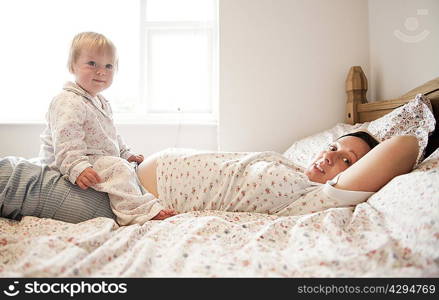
x=395, y=233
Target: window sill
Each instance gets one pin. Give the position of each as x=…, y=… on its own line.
x=122, y=122
x=22, y=122
x=130, y=119
x=166, y=119
x=164, y=122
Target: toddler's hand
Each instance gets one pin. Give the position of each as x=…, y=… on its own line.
x=164, y=214
x=87, y=178
x=137, y=158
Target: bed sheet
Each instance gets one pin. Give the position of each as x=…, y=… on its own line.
x=393, y=234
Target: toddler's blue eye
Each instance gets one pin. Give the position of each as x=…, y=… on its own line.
x=92, y=63
x=109, y=66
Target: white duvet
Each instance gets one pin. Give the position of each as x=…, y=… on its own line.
x=394, y=234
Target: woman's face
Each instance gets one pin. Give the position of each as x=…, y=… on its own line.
x=338, y=156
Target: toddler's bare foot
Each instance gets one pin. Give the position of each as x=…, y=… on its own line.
x=164, y=214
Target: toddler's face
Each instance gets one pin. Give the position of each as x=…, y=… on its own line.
x=94, y=70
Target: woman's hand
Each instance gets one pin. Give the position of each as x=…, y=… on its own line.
x=164, y=214
x=136, y=158
x=87, y=178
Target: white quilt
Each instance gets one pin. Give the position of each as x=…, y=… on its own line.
x=394, y=234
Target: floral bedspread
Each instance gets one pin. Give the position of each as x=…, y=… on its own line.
x=394, y=234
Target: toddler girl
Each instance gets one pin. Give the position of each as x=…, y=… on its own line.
x=81, y=140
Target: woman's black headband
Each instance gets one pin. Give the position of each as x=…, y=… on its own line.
x=370, y=140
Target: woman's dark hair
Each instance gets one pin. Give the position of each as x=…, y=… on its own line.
x=370, y=140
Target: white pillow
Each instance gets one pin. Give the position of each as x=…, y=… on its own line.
x=303, y=151
x=413, y=118
x=431, y=162
x=408, y=206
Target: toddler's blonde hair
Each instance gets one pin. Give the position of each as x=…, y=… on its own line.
x=90, y=40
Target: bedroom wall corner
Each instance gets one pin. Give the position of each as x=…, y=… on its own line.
x=404, y=46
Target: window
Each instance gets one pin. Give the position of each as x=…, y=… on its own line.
x=168, y=57
x=179, y=56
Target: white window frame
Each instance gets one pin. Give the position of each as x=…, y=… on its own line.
x=146, y=29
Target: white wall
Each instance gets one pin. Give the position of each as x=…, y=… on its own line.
x=283, y=65
x=401, y=58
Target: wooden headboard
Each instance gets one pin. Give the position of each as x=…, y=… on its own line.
x=358, y=110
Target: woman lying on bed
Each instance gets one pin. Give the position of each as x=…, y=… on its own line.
x=185, y=180
x=345, y=173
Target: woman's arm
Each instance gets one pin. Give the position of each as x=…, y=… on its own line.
x=393, y=157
